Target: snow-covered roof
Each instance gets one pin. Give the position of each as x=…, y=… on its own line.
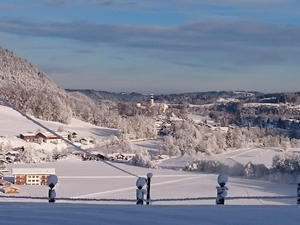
x=33, y=171
x=14, y=187
x=51, y=135
x=28, y=134
x=4, y=181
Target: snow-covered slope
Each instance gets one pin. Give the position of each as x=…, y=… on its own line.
x=13, y=124
x=17, y=71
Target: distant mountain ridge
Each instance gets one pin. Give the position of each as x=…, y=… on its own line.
x=192, y=97
x=112, y=96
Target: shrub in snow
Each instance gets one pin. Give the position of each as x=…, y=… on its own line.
x=143, y=158
x=214, y=166
x=30, y=155
x=287, y=163
x=115, y=144
x=209, y=166
x=284, y=169
x=255, y=171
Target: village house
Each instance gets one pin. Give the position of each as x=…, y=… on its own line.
x=10, y=190
x=6, y=187
x=5, y=183
x=21, y=149
x=120, y=156
x=47, y=137
x=86, y=141
x=32, y=176
x=29, y=137
x=72, y=136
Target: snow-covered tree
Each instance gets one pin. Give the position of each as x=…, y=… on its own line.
x=143, y=158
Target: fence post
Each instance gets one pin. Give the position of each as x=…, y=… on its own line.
x=140, y=191
x=298, y=189
x=222, y=190
x=149, y=176
x=51, y=182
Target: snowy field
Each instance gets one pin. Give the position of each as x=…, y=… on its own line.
x=179, y=197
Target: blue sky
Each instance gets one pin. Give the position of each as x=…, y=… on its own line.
x=158, y=46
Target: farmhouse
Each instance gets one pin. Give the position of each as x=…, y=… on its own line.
x=72, y=136
x=86, y=141
x=10, y=190
x=32, y=176
x=5, y=183
x=47, y=137
x=30, y=137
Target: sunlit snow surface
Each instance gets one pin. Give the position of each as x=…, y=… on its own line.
x=78, y=214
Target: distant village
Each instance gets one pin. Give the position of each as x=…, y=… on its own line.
x=38, y=176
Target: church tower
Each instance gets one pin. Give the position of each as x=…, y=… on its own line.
x=151, y=100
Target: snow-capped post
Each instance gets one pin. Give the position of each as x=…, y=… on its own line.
x=140, y=191
x=149, y=176
x=51, y=182
x=222, y=190
x=298, y=189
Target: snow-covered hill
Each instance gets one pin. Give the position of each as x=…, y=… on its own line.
x=13, y=124
x=17, y=71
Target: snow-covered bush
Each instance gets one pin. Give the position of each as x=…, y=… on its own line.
x=287, y=163
x=30, y=155
x=214, y=166
x=114, y=144
x=143, y=158
x=255, y=171
x=284, y=169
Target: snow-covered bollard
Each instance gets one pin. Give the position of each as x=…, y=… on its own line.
x=51, y=182
x=222, y=190
x=298, y=189
x=140, y=192
x=149, y=176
